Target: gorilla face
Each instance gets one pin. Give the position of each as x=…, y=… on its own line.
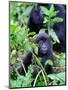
x=45, y=45
x=37, y=16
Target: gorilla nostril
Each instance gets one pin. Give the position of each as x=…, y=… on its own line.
x=44, y=48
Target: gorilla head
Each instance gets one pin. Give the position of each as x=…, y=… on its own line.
x=36, y=19
x=45, y=44
x=36, y=15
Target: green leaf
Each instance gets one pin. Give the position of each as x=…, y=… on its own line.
x=28, y=78
x=13, y=60
x=45, y=10
x=45, y=20
x=49, y=62
x=27, y=11
x=31, y=33
x=13, y=27
x=13, y=83
x=13, y=57
x=53, y=77
x=62, y=62
x=61, y=76
x=54, y=36
x=13, y=53
x=57, y=20
x=53, y=14
x=52, y=8
x=42, y=30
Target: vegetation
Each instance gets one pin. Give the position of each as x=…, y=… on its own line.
x=21, y=43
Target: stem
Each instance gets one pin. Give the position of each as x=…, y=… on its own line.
x=39, y=63
x=44, y=78
x=49, y=25
x=36, y=78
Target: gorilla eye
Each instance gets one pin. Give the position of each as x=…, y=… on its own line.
x=41, y=41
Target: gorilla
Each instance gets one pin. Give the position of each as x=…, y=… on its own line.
x=44, y=52
x=36, y=20
x=60, y=29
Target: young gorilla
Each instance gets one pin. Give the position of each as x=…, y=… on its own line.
x=36, y=20
x=44, y=52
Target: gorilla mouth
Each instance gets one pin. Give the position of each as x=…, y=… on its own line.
x=44, y=51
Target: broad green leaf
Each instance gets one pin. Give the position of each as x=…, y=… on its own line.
x=45, y=20
x=13, y=27
x=42, y=30
x=27, y=11
x=52, y=9
x=62, y=62
x=45, y=10
x=49, y=62
x=61, y=76
x=53, y=14
x=53, y=36
x=13, y=53
x=13, y=60
x=13, y=83
x=28, y=77
x=53, y=77
x=27, y=46
x=57, y=20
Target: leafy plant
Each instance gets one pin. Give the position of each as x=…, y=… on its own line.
x=50, y=19
x=19, y=37
x=23, y=81
x=21, y=42
x=57, y=79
